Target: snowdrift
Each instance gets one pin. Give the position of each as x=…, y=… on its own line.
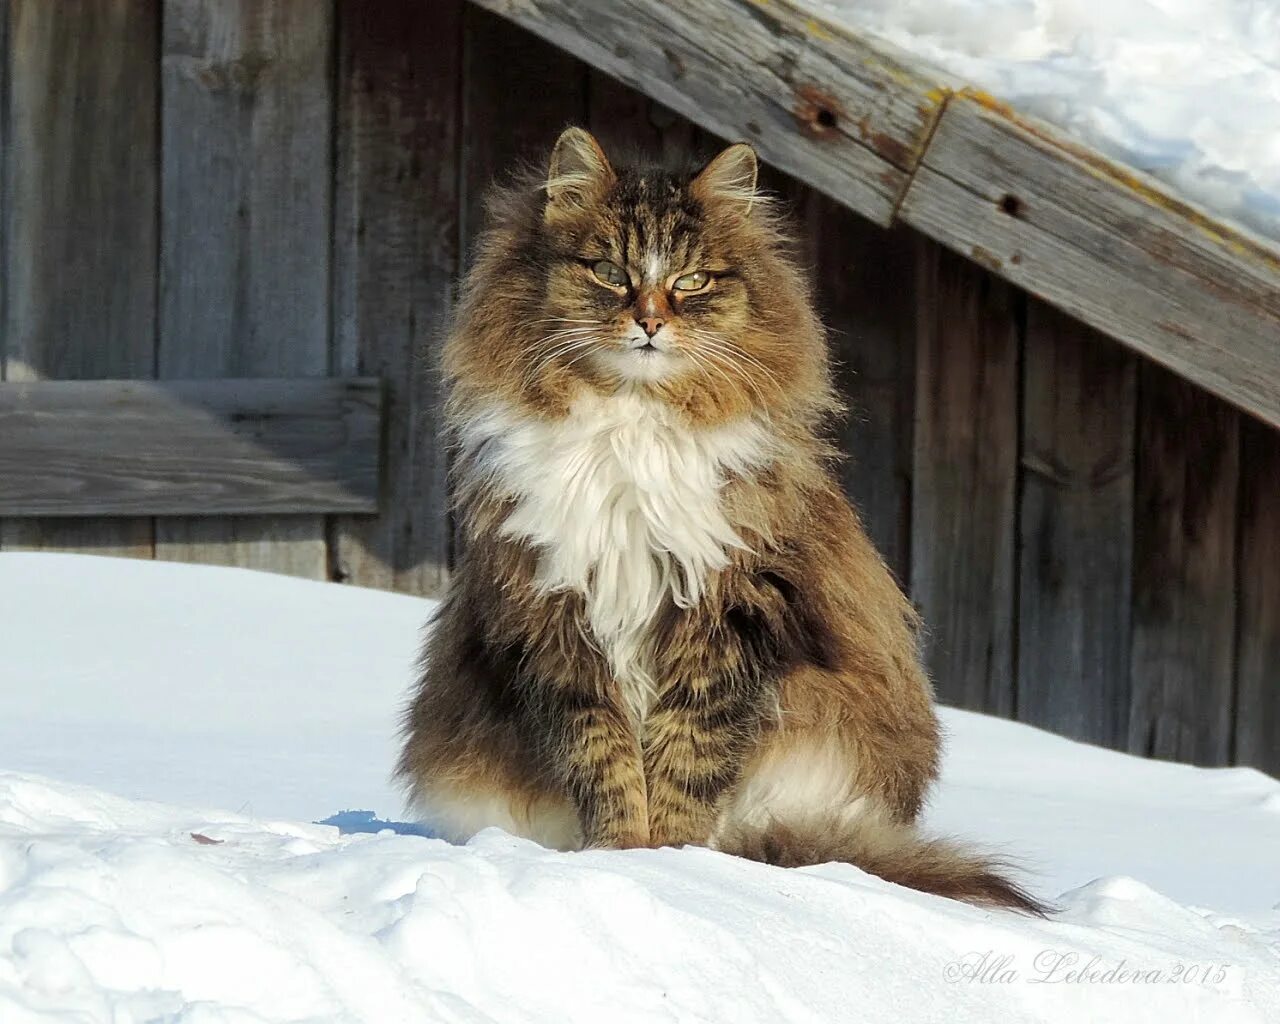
x=125, y=683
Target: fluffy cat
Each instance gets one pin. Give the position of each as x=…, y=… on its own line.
x=668, y=625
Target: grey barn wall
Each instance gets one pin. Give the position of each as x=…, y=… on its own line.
x=199, y=188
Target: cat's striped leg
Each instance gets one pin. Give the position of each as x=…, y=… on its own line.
x=697, y=738
x=598, y=756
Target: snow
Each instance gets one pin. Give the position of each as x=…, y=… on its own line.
x=1186, y=90
x=126, y=683
x=203, y=685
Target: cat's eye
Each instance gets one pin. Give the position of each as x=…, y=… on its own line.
x=610, y=273
x=694, y=282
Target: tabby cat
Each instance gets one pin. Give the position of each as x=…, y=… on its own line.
x=668, y=626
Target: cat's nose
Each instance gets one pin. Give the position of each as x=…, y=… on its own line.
x=651, y=325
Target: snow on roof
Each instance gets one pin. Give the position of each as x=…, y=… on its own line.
x=1186, y=90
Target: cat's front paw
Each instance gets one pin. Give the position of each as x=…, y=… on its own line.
x=619, y=839
x=686, y=826
x=657, y=840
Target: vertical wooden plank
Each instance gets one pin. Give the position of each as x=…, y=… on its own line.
x=1184, y=579
x=245, y=225
x=964, y=503
x=627, y=122
x=1076, y=530
x=518, y=93
x=395, y=260
x=80, y=195
x=1257, y=711
x=865, y=280
x=6, y=205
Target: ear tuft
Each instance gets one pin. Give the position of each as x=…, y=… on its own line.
x=730, y=176
x=578, y=170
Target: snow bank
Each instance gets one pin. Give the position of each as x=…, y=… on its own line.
x=1187, y=90
x=214, y=687
x=120, y=911
x=203, y=685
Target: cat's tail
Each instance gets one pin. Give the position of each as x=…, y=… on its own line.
x=890, y=850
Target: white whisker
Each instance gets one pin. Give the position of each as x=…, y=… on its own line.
x=735, y=352
x=719, y=353
x=559, y=351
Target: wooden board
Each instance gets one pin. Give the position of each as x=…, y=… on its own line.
x=625, y=121
x=1076, y=530
x=963, y=509
x=504, y=120
x=1257, y=721
x=1108, y=246
x=80, y=204
x=816, y=101
x=5, y=201
x=396, y=258
x=1184, y=572
x=217, y=447
x=246, y=220
x=866, y=296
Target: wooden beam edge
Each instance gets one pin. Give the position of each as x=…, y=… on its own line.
x=1227, y=243
x=1230, y=237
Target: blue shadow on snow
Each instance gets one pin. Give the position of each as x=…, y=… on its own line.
x=349, y=822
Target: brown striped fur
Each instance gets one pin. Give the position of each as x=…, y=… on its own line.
x=770, y=702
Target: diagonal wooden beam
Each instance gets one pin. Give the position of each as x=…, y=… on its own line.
x=1106, y=244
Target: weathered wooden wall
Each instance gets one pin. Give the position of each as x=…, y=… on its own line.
x=199, y=188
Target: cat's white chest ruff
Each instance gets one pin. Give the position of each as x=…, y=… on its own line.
x=623, y=502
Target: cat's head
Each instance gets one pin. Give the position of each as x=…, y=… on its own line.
x=676, y=284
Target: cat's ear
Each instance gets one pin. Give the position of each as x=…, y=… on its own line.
x=730, y=177
x=577, y=173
